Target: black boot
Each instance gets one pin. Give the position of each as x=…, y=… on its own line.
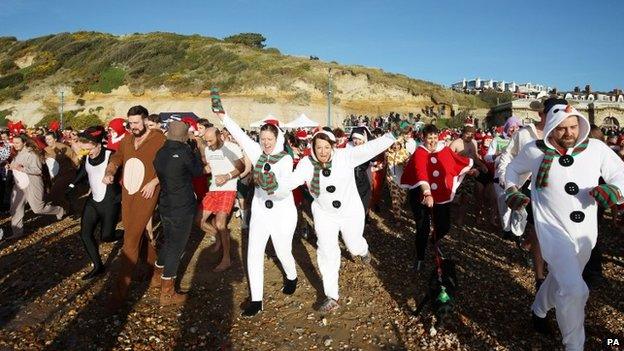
x=541, y=325
x=289, y=286
x=253, y=309
x=97, y=270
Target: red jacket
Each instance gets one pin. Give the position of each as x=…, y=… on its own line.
x=442, y=169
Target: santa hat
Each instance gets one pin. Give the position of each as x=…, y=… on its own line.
x=272, y=122
x=54, y=126
x=444, y=135
x=15, y=128
x=301, y=135
x=190, y=122
x=118, y=125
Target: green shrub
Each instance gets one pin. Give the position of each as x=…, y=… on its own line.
x=110, y=79
x=80, y=102
x=254, y=40
x=83, y=121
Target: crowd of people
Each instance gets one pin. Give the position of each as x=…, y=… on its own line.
x=549, y=183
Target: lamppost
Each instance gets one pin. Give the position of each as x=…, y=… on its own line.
x=62, y=127
x=329, y=102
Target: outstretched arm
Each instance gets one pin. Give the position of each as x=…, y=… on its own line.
x=362, y=153
x=251, y=148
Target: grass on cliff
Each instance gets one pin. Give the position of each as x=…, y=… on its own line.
x=100, y=62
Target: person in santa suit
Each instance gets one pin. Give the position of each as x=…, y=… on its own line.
x=337, y=207
x=433, y=174
x=273, y=211
x=565, y=168
x=116, y=132
x=104, y=203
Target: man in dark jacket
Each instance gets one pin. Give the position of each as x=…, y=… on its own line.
x=175, y=166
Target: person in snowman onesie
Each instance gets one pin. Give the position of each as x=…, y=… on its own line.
x=565, y=167
x=104, y=203
x=337, y=207
x=273, y=211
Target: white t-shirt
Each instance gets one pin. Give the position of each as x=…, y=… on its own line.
x=221, y=162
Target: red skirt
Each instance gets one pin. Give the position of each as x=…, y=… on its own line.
x=219, y=201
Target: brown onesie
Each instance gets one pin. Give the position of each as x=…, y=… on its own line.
x=138, y=170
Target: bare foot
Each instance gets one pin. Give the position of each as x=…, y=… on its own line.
x=222, y=266
x=214, y=248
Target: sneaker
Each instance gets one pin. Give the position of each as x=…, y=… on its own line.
x=289, y=286
x=60, y=215
x=329, y=305
x=253, y=309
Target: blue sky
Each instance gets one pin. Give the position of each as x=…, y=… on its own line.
x=558, y=43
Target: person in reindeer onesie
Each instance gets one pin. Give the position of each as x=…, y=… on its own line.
x=565, y=167
x=139, y=195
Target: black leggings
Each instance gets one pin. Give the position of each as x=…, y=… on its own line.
x=105, y=213
x=422, y=216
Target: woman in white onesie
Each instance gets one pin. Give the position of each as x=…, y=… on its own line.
x=337, y=206
x=273, y=211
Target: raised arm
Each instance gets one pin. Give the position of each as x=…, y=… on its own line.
x=251, y=148
x=362, y=153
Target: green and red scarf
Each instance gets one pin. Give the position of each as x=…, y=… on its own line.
x=315, y=188
x=549, y=156
x=266, y=179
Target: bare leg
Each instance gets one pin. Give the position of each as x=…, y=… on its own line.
x=220, y=221
x=538, y=260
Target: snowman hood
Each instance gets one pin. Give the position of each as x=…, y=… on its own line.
x=557, y=114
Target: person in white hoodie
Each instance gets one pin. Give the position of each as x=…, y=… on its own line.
x=337, y=207
x=273, y=211
x=565, y=167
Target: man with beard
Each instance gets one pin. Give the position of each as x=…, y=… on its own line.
x=565, y=167
x=139, y=195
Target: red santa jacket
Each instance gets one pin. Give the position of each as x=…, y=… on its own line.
x=442, y=169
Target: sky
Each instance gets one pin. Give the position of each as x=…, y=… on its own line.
x=556, y=43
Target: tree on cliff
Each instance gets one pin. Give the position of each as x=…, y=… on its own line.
x=254, y=40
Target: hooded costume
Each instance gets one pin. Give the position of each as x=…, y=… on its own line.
x=564, y=194
x=337, y=207
x=273, y=211
x=104, y=202
x=136, y=211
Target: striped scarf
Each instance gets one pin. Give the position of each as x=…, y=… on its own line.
x=315, y=188
x=266, y=179
x=549, y=157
